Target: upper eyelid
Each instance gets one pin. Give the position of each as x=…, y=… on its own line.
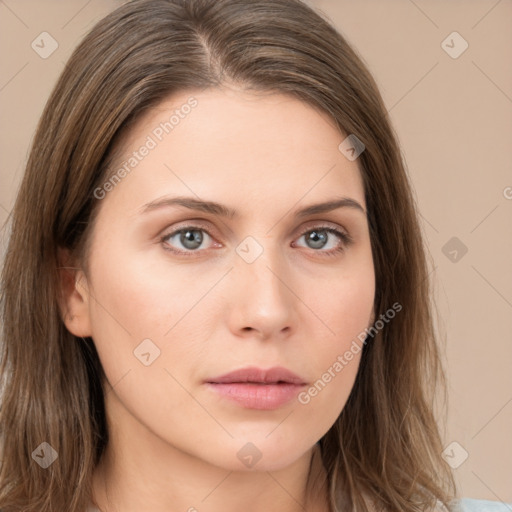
x=309, y=226
x=206, y=225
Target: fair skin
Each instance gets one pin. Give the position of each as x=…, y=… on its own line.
x=173, y=441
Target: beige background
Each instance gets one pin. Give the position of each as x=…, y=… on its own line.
x=453, y=117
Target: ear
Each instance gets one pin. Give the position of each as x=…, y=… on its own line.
x=73, y=296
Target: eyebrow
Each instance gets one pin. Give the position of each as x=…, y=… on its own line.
x=223, y=211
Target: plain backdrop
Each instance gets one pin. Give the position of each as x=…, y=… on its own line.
x=445, y=72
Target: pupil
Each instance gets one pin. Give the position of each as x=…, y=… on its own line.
x=191, y=239
x=316, y=239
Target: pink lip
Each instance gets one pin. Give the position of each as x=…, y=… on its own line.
x=255, y=388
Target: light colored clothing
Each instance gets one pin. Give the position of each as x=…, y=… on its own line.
x=472, y=505
x=464, y=505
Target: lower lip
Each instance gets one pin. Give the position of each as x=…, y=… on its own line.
x=257, y=396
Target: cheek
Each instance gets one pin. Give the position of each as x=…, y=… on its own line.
x=345, y=305
x=133, y=301
x=137, y=312
x=346, y=311
x=134, y=296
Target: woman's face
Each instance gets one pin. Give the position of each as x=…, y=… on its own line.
x=271, y=285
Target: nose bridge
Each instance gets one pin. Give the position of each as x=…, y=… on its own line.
x=263, y=272
x=264, y=300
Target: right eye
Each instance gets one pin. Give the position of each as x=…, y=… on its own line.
x=190, y=237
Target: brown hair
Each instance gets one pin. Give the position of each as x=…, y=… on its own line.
x=386, y=441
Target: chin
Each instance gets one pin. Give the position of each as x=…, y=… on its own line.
x=262, y=454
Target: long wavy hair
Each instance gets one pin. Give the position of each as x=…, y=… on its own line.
x=386, y=443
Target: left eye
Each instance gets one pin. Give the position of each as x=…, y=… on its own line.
x=319, y=236
x=192, y=237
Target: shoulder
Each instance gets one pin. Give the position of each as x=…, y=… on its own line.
x=461, y=505
x=473, y=505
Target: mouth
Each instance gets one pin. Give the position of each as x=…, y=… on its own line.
x=256, y=388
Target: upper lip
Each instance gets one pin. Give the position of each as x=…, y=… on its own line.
x=259, y=375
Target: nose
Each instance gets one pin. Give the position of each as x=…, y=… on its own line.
x=262, y=301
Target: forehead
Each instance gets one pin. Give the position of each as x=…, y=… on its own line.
x=260, y=145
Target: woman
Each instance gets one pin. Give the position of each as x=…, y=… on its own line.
x=215, y=289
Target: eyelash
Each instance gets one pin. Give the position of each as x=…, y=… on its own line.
x=345, y=238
